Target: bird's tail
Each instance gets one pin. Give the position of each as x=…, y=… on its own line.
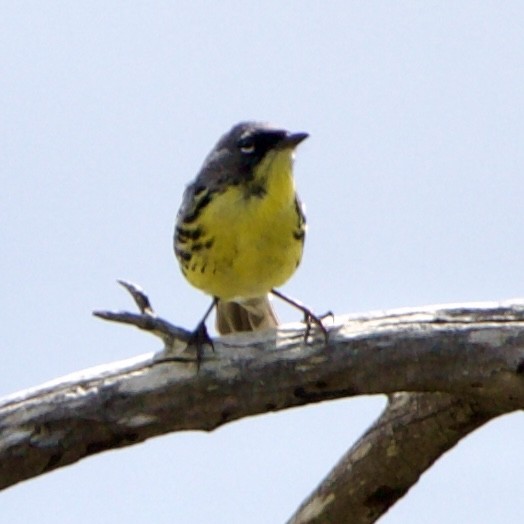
x=253, y=314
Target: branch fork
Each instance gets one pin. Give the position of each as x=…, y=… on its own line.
x=447, y=370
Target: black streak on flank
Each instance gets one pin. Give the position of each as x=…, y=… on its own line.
x=201, y=204
x=299, y=235
x=183, y=235
x=300, y=213
x=184, y=255
x=198, y=246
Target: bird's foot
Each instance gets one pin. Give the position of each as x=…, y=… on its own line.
x=310, y=318
x=199, y=339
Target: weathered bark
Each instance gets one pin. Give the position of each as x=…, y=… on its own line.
x=414, y=430
x=466, y=364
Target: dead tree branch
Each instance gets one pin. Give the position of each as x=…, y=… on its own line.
x=462, y=364
x=414, y=430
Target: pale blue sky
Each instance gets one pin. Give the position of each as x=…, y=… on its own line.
x=412, y=178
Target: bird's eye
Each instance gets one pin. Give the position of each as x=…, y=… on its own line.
x=247, y=145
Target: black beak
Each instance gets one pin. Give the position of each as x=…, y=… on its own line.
x=291, y=140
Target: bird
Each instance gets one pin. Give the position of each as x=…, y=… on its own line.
x=240, y=230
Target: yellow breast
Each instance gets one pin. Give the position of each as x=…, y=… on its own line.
x=254, y=235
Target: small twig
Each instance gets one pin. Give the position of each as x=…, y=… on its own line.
x=175, y=338
x=158, y=326
x=139, y=296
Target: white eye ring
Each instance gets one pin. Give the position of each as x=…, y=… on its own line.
x=247, y=147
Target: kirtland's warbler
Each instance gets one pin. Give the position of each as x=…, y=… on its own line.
x=240, y=229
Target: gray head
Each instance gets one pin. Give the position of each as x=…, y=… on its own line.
x=245, y=145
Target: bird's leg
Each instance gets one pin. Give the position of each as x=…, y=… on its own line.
x=200, y=337
x=309, y=316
